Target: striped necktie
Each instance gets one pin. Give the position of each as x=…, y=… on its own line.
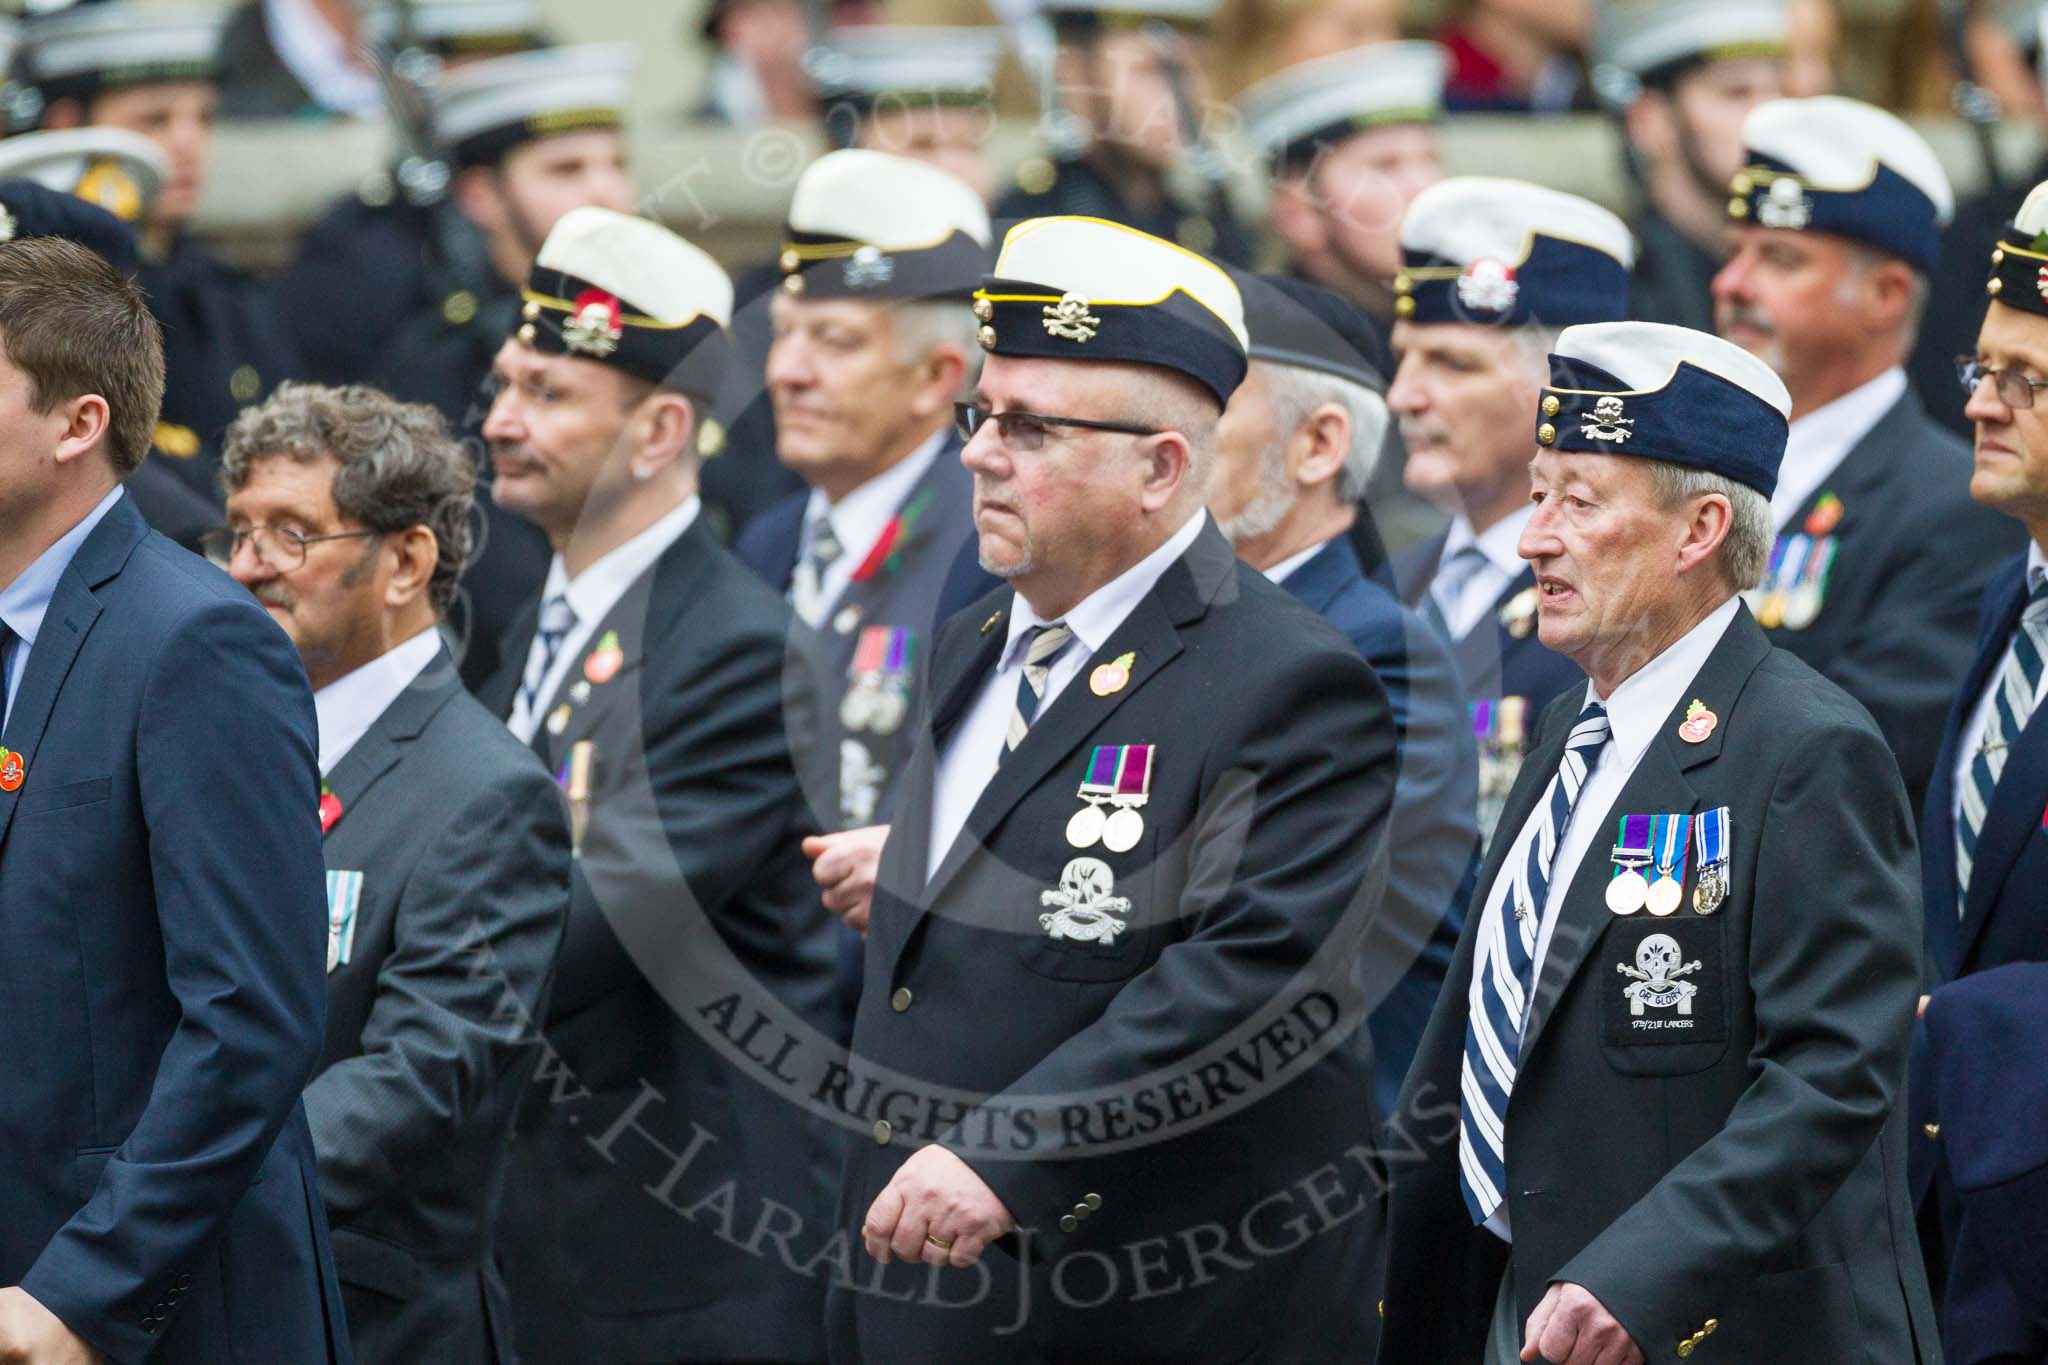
x=2011, y=704
x=1449, y=584
x=1047, y=643
x=1501, y=982
x=807, y=586
x=557, y=619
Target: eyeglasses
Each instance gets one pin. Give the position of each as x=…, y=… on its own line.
x=2014, y=389
x=1029, y=431
x=281, y=547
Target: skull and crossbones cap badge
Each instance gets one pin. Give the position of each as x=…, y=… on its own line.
x=870, y=225
x=1665, y=393
x=1074, y=288
x=624, y=291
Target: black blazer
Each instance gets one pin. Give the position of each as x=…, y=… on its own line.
x=690, y=885
x=1261, y=864
x=432, y=1024
x=1493, y=660
x=1750, y=1171
x=1897, y=626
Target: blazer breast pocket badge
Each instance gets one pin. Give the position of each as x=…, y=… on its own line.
x=1667, y=982
x=344, y=896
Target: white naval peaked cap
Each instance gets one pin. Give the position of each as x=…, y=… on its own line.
x=120, y=171
x=2019, y=259
x=1075, y=288
x=867, y=224
x=918, y=62
x=1480, y=249
x=1667, y=393
x=2033, y=214
x=647, y=267
x=457, y=28
x=93, y=47
x=1646, y=38
x=1290, y=113
x=482, y=110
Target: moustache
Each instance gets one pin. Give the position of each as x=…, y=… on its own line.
x=1742, y=315
x=273, y=594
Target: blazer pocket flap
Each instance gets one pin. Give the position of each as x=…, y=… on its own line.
x=370, y=1262
x=41, y=800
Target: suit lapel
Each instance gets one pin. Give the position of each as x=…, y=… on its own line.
x=69, y=619
x=498, y=694
x=383, y=744
x=927, y=495
x=1658, y=785
x=2012, y=818
x=1316, y=583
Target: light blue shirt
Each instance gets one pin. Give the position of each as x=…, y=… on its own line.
x=24, y=601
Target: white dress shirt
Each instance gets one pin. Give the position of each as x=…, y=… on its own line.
x=1980, y=718
x=592, y=594
x=1817, y=443
x=858, y=518
x=25, y=601
x=1642, y=703
x=1280, y=572
x=1483, y=587
x=977, y=743
x=347, y=707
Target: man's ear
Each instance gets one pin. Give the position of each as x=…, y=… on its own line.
x=1169, y=461
x=415, y=552
x=666, y=426
x=478, y=198
x=1320, y=446
x=86, y=419
x=1708, y=526
x=1294, y=215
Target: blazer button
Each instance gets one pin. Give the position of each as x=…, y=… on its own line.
x=882, y=1131
x=900, y=1001
x=1082, y=1211
x=1069, y=1223
x=1932, y=1130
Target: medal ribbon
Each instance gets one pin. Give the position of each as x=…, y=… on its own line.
x=1134, y=778
x=1670, y=835
x=1798, y=553
x=874, y=643
x=1103, y=769
x=1820, y=562
x=898, y=662
x=1713, y=837
x=1771, y=574
x=1482, y=720
x=1632, y=843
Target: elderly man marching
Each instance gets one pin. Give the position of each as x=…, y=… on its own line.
x=1146, y=806
x=1674, y=1038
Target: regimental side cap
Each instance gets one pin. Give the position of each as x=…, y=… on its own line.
x=870, y=225
x=865, y=66
x=1304, y=326
x=458, y=28
x=120, y=171
x=1638, y=43
x=1290, y=115
x=1667, y=393
x=1836, y=165
x=1476, y=249
x=629, y=293
x=2019, y=262
x=1074, y=288
x=483, y=110
x=87, y=49
x=1072, y=18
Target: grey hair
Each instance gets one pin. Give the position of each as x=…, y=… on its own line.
x=400, y=467
x=1170, y=401
x=1863, y=259
x=918, y=329
x=1747, y=549
x=1296, y=392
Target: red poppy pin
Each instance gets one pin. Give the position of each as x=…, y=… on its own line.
x=330, y=808
x=602, y=663
x=12, y=770
x=1699, y=722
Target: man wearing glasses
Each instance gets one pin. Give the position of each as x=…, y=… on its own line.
x=1880, y=556
x=447, y=856
x=1977, y=1162
x=1145, y=818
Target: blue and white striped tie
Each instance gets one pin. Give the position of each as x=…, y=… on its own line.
x=557, y=619
x=2018, y=686
x=1500, y=980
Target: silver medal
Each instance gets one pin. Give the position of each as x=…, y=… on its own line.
x=1084, y=828
x=1121, y=832
x=856, y=708
x=1711, y=891
x=886, y=710
x=1626, y=892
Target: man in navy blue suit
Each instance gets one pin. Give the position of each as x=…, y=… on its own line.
x=161, y=950
x=1984, y=850
x=1294, y=454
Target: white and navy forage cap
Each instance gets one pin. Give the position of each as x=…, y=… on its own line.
x=1476, y=249
x=86, y=50
x=1293, y=114
x=1840, y=166
x=458, y=28
x=484, y=110
x=1074, y=288
x=870, y=225
x=2019, y=262
x=626, y=292
x=1639, y=44
x=870, y=68
x=1666, y=393
x=120, y=171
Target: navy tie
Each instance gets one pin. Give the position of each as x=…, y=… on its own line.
x=7, y=639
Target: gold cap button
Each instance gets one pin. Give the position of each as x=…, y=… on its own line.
x=1069, y=1223
x=790, y=261
x=1993, y=286
x=984, y=310
x=526, y=334
x=1546, y=433
x=1550, y=405
x=1741, y=184
x=460, y=307
x=1738, y=208
x=882, y=1131
x=792, y=284
x=1998, y=255
x=900, y=1001
x=1403, y=284
x=531, y=311
x=987, y=337
x=1404, y=306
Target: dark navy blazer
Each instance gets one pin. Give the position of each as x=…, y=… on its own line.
x=162, y=945
x=1492, y=660
x=1435, y=838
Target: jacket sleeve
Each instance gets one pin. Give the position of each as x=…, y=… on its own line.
x=225, y=766
x=459, y=998
x=1834, y=967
